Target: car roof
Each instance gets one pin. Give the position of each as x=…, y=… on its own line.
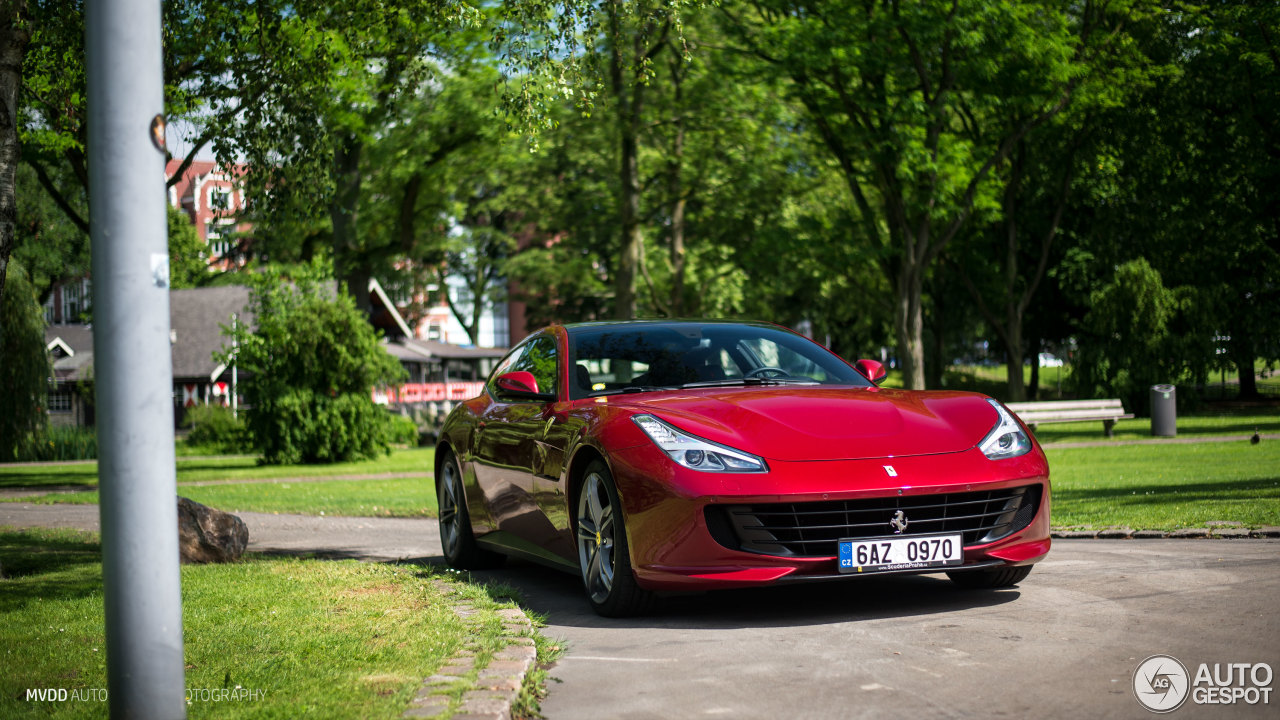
x=666, y=322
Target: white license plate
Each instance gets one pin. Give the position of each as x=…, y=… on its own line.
x=899, y=552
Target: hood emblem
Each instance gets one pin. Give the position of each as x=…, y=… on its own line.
x=898, y=522
x=889, y=469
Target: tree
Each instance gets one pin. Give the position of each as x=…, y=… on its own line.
x=1132, y=337
x=25, y=371
x=1004, y=261
x=1186, y=179
x=920, y=103
x=15, y=33
x=47, y=243
x=312, y=362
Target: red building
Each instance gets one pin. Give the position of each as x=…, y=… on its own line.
x=212, y=197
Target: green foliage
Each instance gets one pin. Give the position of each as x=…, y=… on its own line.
x=24, y=369
x=1130, y=346
x=312, y=363
x=403, y=431
x=919, y=106
x=188, y=257
x=215, y=427
x=61, y=442
x=46, y=241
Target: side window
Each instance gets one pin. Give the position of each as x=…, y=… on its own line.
x=538, y=356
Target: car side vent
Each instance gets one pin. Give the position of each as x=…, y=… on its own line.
x=812, y=529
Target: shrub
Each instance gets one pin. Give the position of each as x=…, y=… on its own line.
x=312, y=361
x=60, y=442
x=404, y=431
x=217, y=428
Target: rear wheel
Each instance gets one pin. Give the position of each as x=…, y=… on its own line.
x=603, y=555
x=990, y=579
x=456, y=538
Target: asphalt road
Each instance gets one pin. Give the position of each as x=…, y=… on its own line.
x=1065, y=643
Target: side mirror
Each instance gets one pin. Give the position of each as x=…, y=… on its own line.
x=872, y=369
x=521, y=385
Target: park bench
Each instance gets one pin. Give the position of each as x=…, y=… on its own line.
x=1037, y=413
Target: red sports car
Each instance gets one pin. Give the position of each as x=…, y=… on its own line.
x=683, y=455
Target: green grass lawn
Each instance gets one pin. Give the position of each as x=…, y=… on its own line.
x=416, y=460
x=1240, y=424
x=398, y=497
x=323, y=638
x=279, y=489
x=1166, y=486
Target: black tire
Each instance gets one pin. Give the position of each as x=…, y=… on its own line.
x=456, y=538
x=990, y=579
x=604, y=558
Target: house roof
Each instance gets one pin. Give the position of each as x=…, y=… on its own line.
x=196, y=317
x=434, y=349
x=72, y=350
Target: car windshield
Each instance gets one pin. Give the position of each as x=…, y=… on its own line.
x=609, y=359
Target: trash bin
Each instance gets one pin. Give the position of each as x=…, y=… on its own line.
x=1164, y=411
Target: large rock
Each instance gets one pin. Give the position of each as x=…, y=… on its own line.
x=206, y=535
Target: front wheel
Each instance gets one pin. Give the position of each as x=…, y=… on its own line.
x=990, y=579
x=456, y=538
x=603, y=556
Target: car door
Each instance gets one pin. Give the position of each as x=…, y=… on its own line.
x=507, y=446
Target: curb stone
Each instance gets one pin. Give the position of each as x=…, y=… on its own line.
x=497, y=683
x=1218, y=532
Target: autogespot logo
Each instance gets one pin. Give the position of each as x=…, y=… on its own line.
x=1160, y=683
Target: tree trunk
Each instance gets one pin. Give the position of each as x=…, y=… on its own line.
x=1033, y=389
x=1015, y=352
x=1244, y=357
x=627, y=93
x=342, y=215
x=676, y=191
x=908, y=321
x=15, y=33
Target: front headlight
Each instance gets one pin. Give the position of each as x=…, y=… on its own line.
x=1006, y=439
x=695, y=453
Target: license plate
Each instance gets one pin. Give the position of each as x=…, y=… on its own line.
x=884, y=554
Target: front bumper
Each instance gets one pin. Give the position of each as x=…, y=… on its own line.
x=672, y=547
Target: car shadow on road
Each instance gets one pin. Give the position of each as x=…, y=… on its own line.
x=560, y=598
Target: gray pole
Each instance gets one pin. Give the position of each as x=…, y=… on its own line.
x=133, y=375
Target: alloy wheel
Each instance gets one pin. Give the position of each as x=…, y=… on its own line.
x=450, y=518
x=596, y=537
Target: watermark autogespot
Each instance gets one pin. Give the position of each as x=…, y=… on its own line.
x=1162, y=684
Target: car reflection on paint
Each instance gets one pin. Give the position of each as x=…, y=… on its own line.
x=653, y=456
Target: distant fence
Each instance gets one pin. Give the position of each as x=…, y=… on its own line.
x=410, y=393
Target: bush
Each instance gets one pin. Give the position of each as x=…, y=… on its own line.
x=60, y=442
x=215, y=427
x=404, y=431
x=313, y=362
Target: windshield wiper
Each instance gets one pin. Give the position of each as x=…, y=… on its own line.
x=749, y=382
x=630, y=389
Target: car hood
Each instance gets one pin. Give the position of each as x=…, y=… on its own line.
x=793, y=423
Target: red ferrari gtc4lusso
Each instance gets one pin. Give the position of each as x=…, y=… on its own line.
x=655, y=456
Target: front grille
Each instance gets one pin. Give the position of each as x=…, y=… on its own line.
x=812, y=529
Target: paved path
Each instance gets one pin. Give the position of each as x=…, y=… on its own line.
x=1063, y=644
x=363, y=538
